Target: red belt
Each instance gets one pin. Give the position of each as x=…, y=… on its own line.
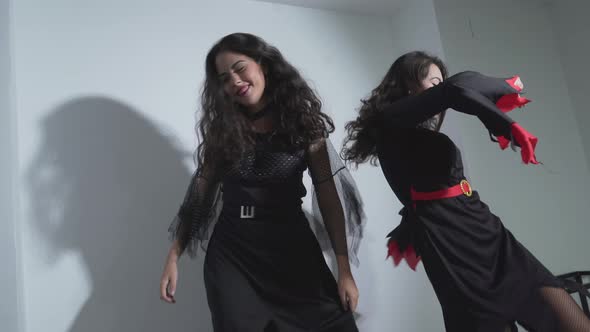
x=408, y=252
x=463, y=188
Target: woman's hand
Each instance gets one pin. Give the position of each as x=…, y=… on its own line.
x=168, y=281
x=348, y=292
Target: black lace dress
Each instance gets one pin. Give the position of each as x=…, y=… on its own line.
x=264, y=267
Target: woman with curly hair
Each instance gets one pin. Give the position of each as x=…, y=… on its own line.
x=483, y=277
x=262, y=126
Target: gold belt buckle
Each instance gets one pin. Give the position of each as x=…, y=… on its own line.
x=466, y=188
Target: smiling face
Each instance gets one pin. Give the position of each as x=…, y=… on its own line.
x=242, y=78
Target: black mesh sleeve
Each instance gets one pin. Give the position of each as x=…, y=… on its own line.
x=337, y=207
x=197, y=213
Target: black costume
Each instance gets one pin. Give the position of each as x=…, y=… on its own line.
x=483, y=277
x=264, y=267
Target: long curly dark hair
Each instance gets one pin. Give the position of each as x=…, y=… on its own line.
x=226, y=132
x=404, y=75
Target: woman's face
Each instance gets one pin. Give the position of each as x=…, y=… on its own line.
x=434, y=77
x=243, y=79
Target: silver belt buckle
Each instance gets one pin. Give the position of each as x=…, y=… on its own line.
x=247, y=211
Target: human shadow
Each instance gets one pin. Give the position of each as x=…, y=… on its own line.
x=105, y=184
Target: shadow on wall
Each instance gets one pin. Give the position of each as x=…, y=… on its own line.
x=105, y=185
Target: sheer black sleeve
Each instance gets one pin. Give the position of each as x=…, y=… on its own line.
x=337, y=207
x=197, y=212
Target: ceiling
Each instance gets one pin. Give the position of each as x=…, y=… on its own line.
x=372, y=7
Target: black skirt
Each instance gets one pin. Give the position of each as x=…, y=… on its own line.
x=483, y=277
x=269, y=274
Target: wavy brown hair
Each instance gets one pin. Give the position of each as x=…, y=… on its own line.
x=404, y=75
x=224, y=129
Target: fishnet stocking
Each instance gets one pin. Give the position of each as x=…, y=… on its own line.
x=570, y=315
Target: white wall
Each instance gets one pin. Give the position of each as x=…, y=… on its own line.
x=570, y=20
x=9, y=282
x=106, y=93
x=545, y=206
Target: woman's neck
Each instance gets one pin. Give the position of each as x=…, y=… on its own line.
x=261, y=119
x=263, y=125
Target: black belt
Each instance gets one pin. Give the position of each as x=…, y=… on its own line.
x=252, y=212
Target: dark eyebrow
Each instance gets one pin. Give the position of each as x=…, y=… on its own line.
x=232, y=67
x=236, y=63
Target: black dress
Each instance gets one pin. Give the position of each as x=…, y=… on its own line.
x=483, y=277
x=264, y=268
